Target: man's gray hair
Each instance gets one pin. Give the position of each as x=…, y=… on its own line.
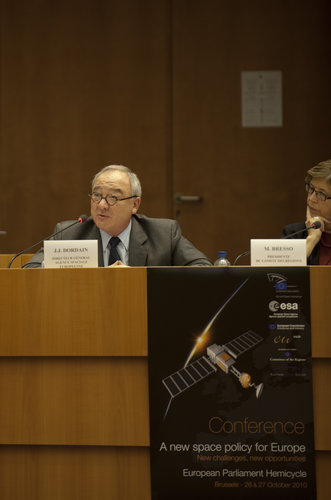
x=133, y=178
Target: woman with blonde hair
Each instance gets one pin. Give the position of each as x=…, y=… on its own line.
x=318, y=241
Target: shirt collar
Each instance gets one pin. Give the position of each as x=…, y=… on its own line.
x=124, y=236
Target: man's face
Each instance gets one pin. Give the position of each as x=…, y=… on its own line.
x=113, y=219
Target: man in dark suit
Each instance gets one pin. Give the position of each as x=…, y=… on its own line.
x=125, y=237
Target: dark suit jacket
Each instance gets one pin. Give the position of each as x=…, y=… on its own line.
x=153, y=242
x=313, y=260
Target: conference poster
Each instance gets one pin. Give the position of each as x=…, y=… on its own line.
x=230, y=381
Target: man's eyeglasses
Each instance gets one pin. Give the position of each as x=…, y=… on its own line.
x=110, y=198
x=319, y=195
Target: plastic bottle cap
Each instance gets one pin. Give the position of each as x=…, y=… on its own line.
x=221, y=254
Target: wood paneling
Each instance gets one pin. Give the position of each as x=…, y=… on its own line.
x=105, y=401
x=156, y=86
x=83, y=84
x=322, y=404
x=84, y=473
x=323, y=467
x=61, y=319
x=320, y=286
x=74, y=473
x=17, y=263
x=5, y=259
x=74, y=401
x=251, y=180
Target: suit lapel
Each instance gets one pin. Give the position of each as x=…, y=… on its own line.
x=93, y=233
x=137, y=248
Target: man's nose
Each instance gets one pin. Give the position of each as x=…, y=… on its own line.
x=103, y=202
x=313, y=196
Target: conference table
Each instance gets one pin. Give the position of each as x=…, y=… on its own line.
x=74, y=415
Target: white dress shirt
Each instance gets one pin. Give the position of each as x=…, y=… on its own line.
x=122, y=248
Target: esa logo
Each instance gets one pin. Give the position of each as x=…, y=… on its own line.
x=275, y=306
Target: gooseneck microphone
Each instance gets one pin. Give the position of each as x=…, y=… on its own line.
x=81, y=219
x=315, y=225
x=241, y=255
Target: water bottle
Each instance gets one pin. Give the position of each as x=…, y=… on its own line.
x=222, y=260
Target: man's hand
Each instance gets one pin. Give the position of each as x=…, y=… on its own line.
x=118, y=263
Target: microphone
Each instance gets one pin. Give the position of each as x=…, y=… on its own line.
x=315, y=225
x=241, y=255
x=81, y=219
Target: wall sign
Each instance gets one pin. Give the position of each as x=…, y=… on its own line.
x=261, y=98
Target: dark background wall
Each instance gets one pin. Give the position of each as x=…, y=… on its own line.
x=155, y=85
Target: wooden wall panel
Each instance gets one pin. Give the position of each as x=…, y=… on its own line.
x=322, y=404
x=251, y=180
x=17, y=262
x=57, y=319
x=95, y=405
x=156, y=86
x=106, y=401
x=74, y=401
x=84, y=473
x=83, y=84
x=5, y=259
x=320, y=286
x=323, y=467
x=74, y=473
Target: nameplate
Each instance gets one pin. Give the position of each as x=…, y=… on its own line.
x=70, y=253
x=280, y=252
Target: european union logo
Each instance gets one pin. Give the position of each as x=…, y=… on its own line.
x=281, y=285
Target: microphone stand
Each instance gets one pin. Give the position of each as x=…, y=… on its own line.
x=80, y=220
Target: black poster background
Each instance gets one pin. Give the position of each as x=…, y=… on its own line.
x=249, y=462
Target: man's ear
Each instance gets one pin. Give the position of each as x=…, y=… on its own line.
x=136, y=204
